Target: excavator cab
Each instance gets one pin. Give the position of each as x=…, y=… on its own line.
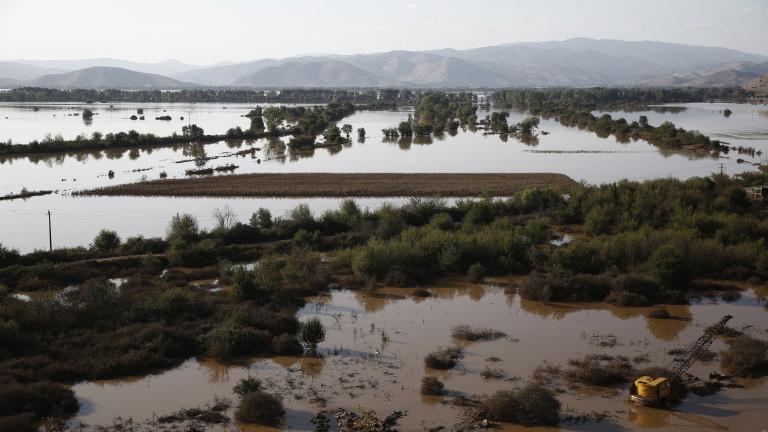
x=656, y=391
x=650, y=391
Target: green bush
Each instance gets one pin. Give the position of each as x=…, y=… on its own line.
x=477, y=272
x=247, y=385
x=668, y=266
x=312, y=333
x=196, y=254
x=227, y=341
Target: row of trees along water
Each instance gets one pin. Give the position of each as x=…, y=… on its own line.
x=574, y=108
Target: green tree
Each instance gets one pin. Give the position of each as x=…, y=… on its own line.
x=106, y=241
x=262, y=218
x=183, y=227
x=347, y=129
x=192, y=131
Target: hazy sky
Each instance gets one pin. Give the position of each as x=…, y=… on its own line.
x=200, y=31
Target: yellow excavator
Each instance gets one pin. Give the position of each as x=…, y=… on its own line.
x=655, y=391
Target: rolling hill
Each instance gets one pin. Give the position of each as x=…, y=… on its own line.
x=21, y=72
x=325, y=73
x=107, y=77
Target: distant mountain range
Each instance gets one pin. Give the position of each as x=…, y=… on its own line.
x=572, y=62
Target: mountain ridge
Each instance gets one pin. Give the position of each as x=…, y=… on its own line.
x=571, y=63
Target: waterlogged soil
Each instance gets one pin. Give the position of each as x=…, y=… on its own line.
x=375, y=345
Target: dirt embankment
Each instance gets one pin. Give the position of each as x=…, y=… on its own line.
x=341, y=185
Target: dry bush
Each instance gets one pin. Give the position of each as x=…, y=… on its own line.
x=260, y=408
x=660, y=314
x=745, y=356
x=599, y=370
x=443, y=358
x=432, y=386
x=467, y=333
x=532, y=405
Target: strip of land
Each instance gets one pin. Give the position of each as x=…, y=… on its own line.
x=341, y=185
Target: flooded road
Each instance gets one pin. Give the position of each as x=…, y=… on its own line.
x=375, y=345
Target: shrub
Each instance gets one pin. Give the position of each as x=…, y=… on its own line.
x=41, y=398
x=467, y=333
x=176, y=302
x=444, y=358
x=442, y=221
x=247, y=385
x=183, y=227
x=192, y=254
x=421, y=292
x=599, y=370
x=262, y=219
x=260, y=408
x=8, y=256
x=286, y=345
x=477, y=272
x=745, y=356
x=668, y=266
x=106, y=241
x=626, y=298
x=226, y=341
x=246, y=287
x=532, y=405
x=432, y=386
x=312, y=333
x=660, y=314
x=579, y=257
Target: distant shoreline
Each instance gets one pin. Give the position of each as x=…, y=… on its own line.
x=340, y=185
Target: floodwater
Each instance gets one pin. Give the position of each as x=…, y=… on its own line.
x=22, y=122
x=374, y=350
x=582, y=155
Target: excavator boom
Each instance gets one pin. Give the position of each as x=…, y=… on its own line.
x=684, y=361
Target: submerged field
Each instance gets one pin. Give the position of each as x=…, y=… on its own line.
x=341, y=185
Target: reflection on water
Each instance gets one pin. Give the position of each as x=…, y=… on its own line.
x=375, y=344
x=576, y=153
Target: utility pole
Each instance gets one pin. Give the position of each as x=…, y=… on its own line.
x=50, y=238
x=721, y=169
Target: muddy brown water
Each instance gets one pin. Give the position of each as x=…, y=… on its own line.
x=375, y=345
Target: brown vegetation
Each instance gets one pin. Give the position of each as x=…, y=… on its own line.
x=444, y=358
x=341, y=185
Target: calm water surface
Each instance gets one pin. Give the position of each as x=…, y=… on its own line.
x=579, y=154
